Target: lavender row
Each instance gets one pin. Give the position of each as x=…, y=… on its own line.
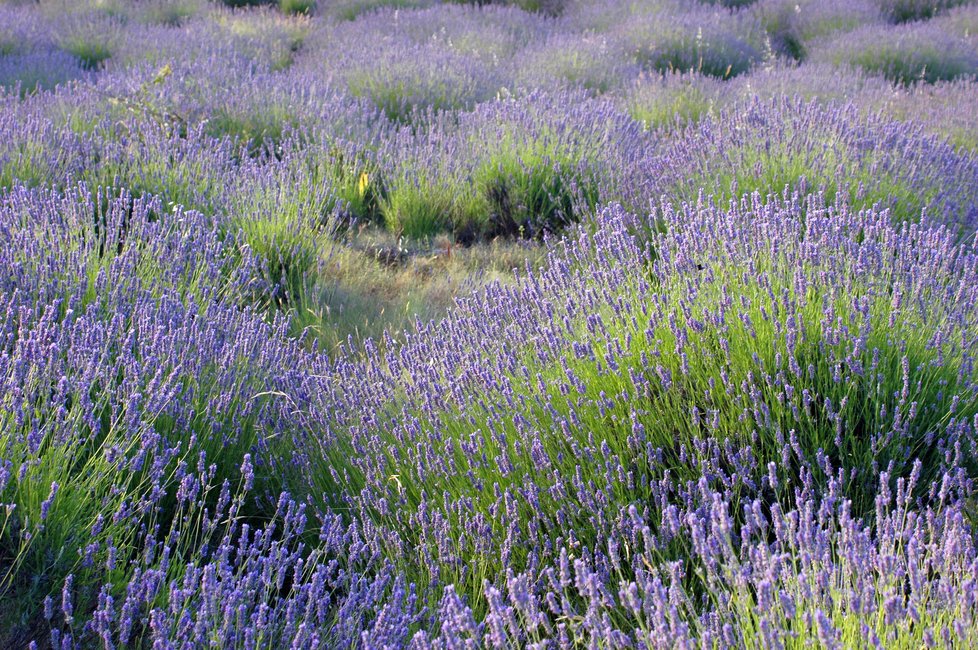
x=779, y=401
x=767, y=352
x=303, y=97
x=140, y=408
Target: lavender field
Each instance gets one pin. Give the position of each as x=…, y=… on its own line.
x=488, y=324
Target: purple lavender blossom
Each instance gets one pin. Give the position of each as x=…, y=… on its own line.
x=737, y=400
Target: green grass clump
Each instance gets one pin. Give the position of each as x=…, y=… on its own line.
x=91, y=51
x=301, y=7
x=419, y=211
x=349, y=175
x=672, y=100
x=518, y=192
x=284, y=220
x=529, y=194
x=511, y=170
x=359, y=187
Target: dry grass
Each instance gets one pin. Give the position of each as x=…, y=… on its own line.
x=374, y=282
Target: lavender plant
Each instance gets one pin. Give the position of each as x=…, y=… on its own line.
x=584, y=444
x=794, y=27
x=938, y=108
x=593, y=64
x=714, y=44
x=117, y=371
x=29, y=73
x=269, y=39
x=22, y=31
x=916, y=52
x=89, y=38
x=673, y=99
x=169, y=13
x=405, y=80
x=904, y=11
x=962, y=21
x=766, y=146
x=809, y=81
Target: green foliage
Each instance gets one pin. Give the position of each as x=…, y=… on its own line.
x=172, y=13
x=521, y=191
x=530, y=196
x=91, y=51
x=352, y=9
x=357, y=187
x=289, y=251
x=419, y=211
x=303, y=7
x=672, y=100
